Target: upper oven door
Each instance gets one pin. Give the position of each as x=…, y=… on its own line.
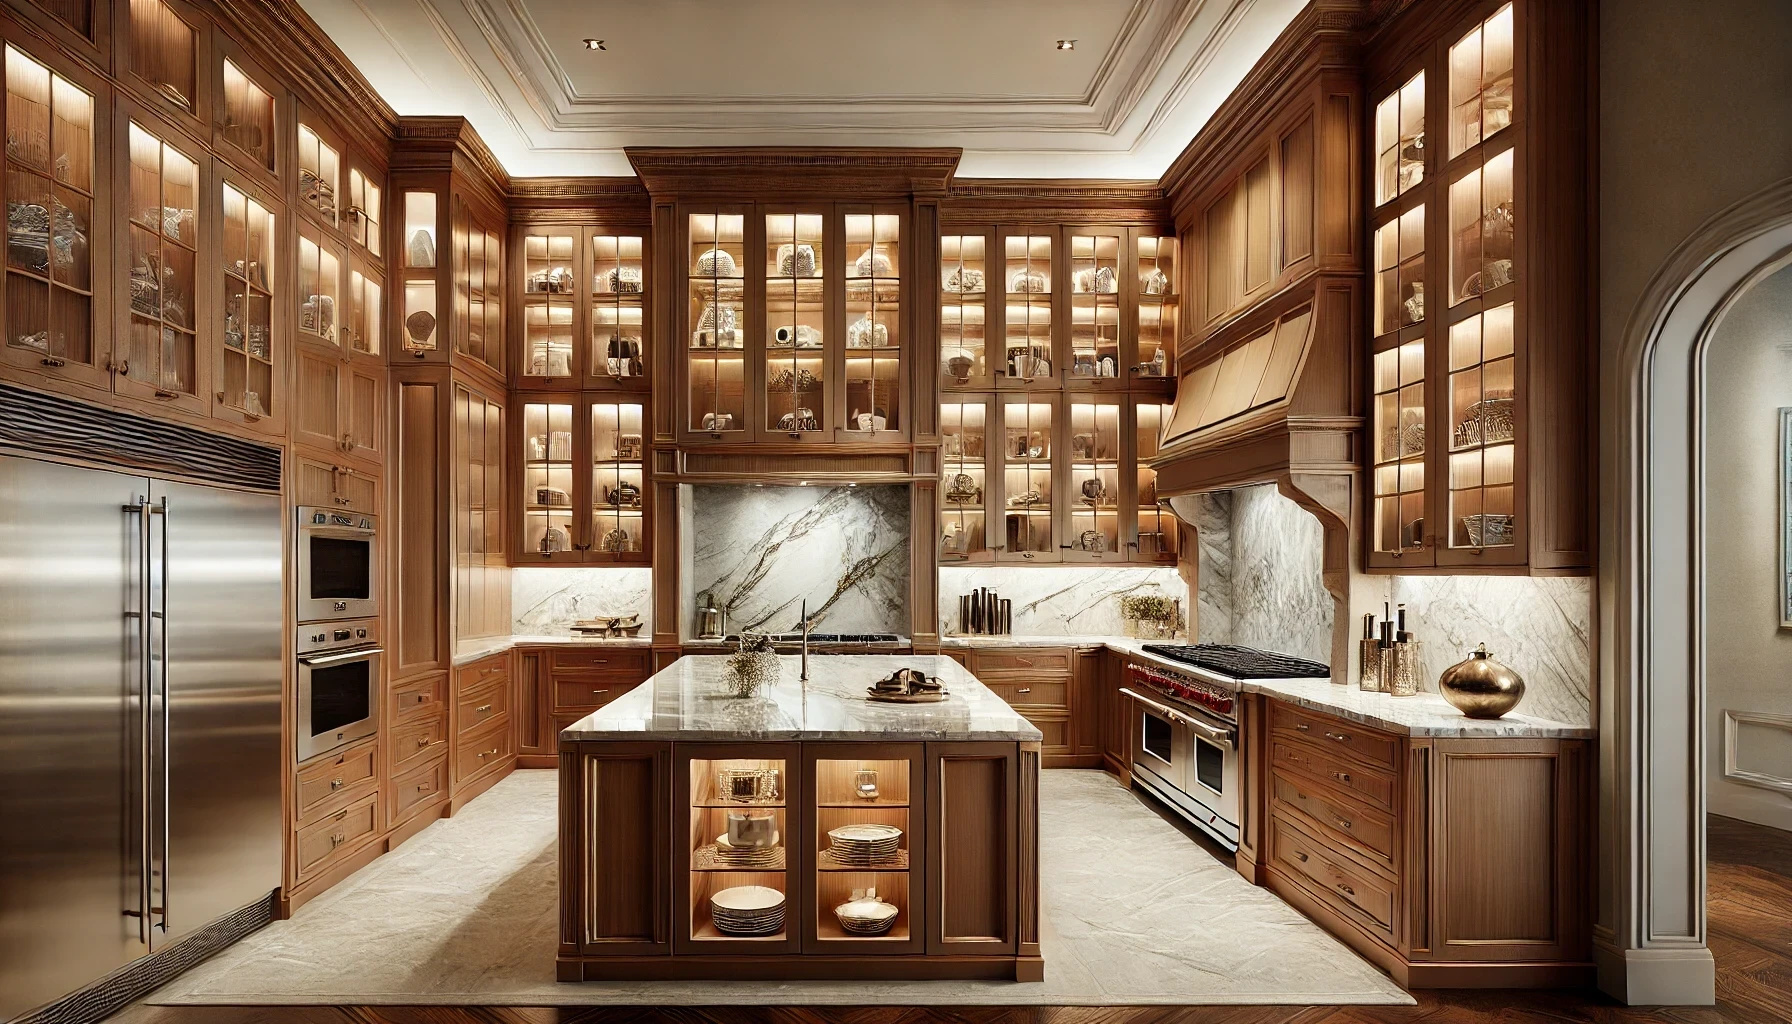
x=1160, y=744
x=338, y=565
x=338, y=699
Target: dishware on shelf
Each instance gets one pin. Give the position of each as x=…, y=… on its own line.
x=748, y=910
x=766, y=856
x=864, y=845
x=865, y=914
x=1488, y=529
x=748, y=831
x=864, y=784
x=748, y=785
x=872, y=263
x=715, y=263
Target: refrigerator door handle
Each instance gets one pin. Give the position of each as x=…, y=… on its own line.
x=167, y=715
x=145, y=770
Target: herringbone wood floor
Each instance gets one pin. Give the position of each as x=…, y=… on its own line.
x=1750, y=910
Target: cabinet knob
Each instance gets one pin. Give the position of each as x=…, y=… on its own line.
x=1341, y=776
x=1302, y=727
x=1024, y=689
x=1298, y=855
x=1343, y=823
x=424, y=742
x=422, y=697
x=1346, y=890
x=422, y=787
x=336, y=783
x=337, y=840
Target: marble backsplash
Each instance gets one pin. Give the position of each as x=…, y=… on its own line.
x=1279, y=600
x=1066, y=600
x=762, y=551
x=547, y=600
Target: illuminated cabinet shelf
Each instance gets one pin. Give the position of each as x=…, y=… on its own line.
x=1479, y=433
x=581, y=487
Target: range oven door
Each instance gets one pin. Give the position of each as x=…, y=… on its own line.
x=1189, y=760
x=338, y=565
x=338, y=699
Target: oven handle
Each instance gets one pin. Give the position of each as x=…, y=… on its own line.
x=331, y=659
x=1220, y=736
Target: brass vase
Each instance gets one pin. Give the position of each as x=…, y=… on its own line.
x=1481, y=687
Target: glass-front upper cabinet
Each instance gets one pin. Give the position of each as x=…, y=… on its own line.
x=245, y=132
x=1097, y=490
x=363, y=329
x=162, y=345
x=1027, y=498
x=320, y=174
x=1399, y=447
x=1027, y=276
x=248, y=371
x=618, y=488
x=550, y=493
x=618, y=311
x=964, y=345
x=1159, y=308
x=166, y=40
x=478, y=288
x=320, y=287
x=1483, y=430
x=1095, y=274
x=1155, y=536
x=550, y=294
x=1482, y=99
x=363, y=216
x=965, y=420
x=796, y=368
x=715, y=364
x=418, y=263
x=49, y=302
x=874, y=336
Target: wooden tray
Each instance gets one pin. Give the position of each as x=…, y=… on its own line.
x=906, y=698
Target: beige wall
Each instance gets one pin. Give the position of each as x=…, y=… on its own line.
x=1748, y=658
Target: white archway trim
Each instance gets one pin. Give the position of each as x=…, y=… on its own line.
x=1650, y=937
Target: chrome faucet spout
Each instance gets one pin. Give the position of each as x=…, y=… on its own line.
x=805, y=613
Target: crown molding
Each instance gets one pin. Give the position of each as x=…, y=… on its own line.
x=448, y=143
x=1055, y=200
x=844, y=171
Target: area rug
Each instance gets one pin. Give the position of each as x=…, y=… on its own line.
x=466, y=913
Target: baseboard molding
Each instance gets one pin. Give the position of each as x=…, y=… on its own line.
x=140, y=977
x=1070, y=761
x=1675, y=976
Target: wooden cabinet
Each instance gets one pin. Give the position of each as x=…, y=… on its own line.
x=582, y=492
x=557, y=686
x=164, y=57
x=327, y=485
x=1394, y=843
x=447, y=250
x=417, y=746
x=251, y=371
x=1480, y=360
x=159, y=356
x=1055, y=688
x=582, y=301
x=483, y=740
x=477, y=517
x=340, y=405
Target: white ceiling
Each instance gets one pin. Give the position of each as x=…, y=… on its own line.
x=979, y=74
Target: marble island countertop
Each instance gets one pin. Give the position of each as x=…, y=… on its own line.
x=468, y=651
x=688, y=701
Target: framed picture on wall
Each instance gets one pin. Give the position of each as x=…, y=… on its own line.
x=1786, y=518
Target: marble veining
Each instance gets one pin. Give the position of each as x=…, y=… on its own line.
x=1059, y=600
x=468, y=651
x=688, y=700
x=1212, y=512
x=1279, y=600
x=762, y=551
x=1422, y=714
x=547, y=600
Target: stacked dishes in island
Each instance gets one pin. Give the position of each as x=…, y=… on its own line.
x=752, y=841
x=865, y=846
x=748, y=910
x=865, y=914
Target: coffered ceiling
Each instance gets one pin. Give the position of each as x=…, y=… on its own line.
x=984, y=75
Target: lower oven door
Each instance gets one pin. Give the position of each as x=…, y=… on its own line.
x=338, y=699
x=1199, y=778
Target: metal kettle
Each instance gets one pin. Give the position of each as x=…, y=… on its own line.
x=709, y=617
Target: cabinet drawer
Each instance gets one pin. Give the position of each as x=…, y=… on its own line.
x=1051, y=694
x=420, y=698
x=630, y=662
x=487, y=702
x=319, y=842
x=482, y=749
x=1346, y=822
x=1056, y=731
x=1359, y=894
x=328, y=486
x=1032, y=663
x=480, y=673
x=1372, y=785
x=330, y=782
x=417, y=741
x=419, y=786
x=1376, y=748
x=587, y=692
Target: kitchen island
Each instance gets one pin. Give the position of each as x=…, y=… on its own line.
x=655, y=786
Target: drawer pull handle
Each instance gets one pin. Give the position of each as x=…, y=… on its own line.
x=1343, y=823
x=422, y=787
x=336, y=783
x=600, y=661
x=1024, y=689
x=341, y=501
x=596, y=692
x=421, y=697
x=1346, y=890
x=483, y=708
x=1302, y=727
x=488, y=753
x=1341, y=776
x=1300, y=856
x=1339, y=736
x=337, y=840
x=341, y=815
x=424, y=742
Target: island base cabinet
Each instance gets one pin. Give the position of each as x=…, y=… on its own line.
x=615, y=852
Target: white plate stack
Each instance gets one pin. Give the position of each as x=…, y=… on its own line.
x=748, y=910
x=748, y=856
x=864, y=845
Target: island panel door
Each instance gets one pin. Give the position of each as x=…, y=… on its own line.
x=615, y=858
x=972, y=835
x=736, y=812
x=864, y=848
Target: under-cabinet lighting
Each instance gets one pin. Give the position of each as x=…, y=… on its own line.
x=1066, y=44
x=598, y=44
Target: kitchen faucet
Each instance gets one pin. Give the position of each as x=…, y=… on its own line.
x=805, y=624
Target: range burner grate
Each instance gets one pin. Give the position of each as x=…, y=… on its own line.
x=1241, y=662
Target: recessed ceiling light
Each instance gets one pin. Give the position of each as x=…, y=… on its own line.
x=1063, y=44
x=598, y=44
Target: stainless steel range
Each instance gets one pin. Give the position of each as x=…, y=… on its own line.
x=1185, y=726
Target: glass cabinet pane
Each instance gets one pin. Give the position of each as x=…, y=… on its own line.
x=320, y=282
x=1481, y=77
x=964, y=352
x=319, y=167
x=420, y=312
x=963, y=436
x=248, y=122
x=364, y=211
x=1028, y=277
x=1158, y=306
x=873, y=321
x=1027, y=478
x=478, y=286
x=548, y=298
x=795, y=328
x=1400, y=140
x=618, y=348
x=1482, y=220
x=248, y=368
x=862, y=856
x=364, y=312
x=1095, y=478
x=740, y=832
x=547, y=477
x=1400, y=272
x=717, y=282
x=1095, y=306
x=1400, y=447
x=1157, y=534
x=49, y=213
x=164, y=243
x=1483, y=430
x=164, y=51
x=617, y=488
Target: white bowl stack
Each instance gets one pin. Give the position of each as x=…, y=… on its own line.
x=866, y=915
x=748, y=910
x=864, y=845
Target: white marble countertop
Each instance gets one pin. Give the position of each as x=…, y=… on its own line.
x=468, y=651
x=977, y=640
x=687, y=701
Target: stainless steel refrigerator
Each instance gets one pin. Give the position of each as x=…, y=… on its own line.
x=140, y=691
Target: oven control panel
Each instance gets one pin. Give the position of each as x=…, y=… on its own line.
x=318, y=637
x=1182, y=687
